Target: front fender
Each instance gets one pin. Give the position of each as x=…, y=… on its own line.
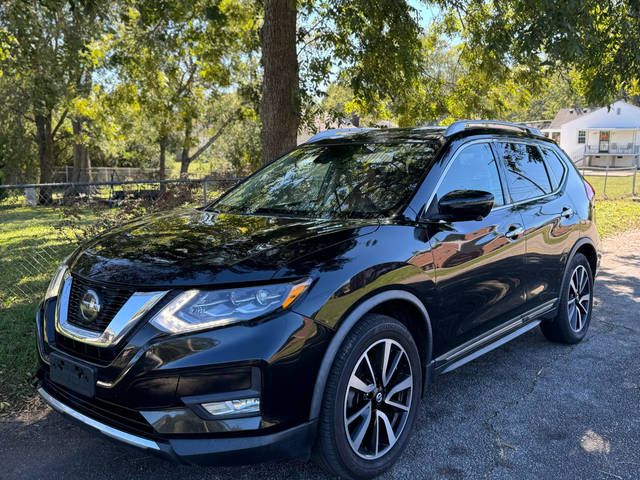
x=348, y=322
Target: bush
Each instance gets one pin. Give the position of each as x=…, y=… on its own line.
x=133, y=204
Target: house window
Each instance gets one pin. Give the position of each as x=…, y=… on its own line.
x=582, y=135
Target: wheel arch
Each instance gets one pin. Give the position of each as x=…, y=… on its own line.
x=586, y=247
x=395, y=303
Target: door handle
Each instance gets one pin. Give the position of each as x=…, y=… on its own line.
x=566, y=212
x=514, y=231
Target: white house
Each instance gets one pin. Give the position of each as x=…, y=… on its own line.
x=599, y=137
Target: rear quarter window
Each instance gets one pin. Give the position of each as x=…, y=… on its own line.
x=526, y=174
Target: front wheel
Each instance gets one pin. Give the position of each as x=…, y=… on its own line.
x=576, y=302
x=371, y=399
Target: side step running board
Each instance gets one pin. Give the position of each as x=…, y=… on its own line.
x=488, y=348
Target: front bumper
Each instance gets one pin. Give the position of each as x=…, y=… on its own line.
x=295, y=442
x=144, y=390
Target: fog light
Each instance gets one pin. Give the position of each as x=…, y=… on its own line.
x=230, y=407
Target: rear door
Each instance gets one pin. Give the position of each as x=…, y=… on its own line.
x=534, y=177
x=479, y=263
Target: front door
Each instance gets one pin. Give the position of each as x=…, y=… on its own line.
x=604, y=142
x=480, y=263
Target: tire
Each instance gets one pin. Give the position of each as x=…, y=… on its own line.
x=340, y=449
x=574, y=315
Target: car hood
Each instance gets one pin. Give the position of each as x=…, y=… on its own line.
x=198, y=248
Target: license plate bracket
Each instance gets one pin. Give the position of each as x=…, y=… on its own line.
x=73, y=375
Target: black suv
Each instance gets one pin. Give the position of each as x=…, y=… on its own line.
x=309, y=306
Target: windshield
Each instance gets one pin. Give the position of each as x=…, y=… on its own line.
x=363, y=180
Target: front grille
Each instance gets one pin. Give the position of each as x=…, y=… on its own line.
x=109, y=413
x=111, y=300
x=85, y=351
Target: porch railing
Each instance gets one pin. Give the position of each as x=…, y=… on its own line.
x=614, y=149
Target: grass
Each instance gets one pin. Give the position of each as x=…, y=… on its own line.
x=615, y=216
x=31, y=248
x=617, y=187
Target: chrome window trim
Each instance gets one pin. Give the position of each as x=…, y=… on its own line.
x=539, y=197
x=101, y=427
x=565, y=168
x=134, y=308
x=455, y=154
x=490, y=141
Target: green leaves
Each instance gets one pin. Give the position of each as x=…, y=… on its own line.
x=597, y=40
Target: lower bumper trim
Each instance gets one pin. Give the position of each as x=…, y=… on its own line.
x=101, y=427
x=295, y=442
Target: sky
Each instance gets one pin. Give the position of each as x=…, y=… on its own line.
x=427, y=12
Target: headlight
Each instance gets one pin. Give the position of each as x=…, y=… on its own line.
x=56, y=282
x=202, y=309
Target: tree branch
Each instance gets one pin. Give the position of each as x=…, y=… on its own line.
x=209, y=142
x=64, y=115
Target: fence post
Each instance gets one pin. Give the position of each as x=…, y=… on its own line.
x=204, y=192
x=633, y=189
x=606, y=175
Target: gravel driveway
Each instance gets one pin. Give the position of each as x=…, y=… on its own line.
x=530, y=409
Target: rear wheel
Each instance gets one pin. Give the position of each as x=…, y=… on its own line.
x=576, y=301
x=371, y=399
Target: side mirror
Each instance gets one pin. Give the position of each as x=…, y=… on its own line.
x=464, y=205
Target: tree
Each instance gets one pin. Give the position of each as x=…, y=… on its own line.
x=172, y=62
x=556, y=91
x=44, y=44
x=598, y=41
x=375, y=43
x=18, y=153
x=279, y=110
x=450, y=85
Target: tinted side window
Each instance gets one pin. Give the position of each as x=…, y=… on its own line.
x=526, y=174
x=554, y=166
x=473, y=169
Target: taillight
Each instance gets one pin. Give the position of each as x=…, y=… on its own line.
x=589, y=189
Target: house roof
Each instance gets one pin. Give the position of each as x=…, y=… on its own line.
x=566, y=115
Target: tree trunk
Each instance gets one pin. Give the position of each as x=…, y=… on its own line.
x=81, y=170
x=185, y=159
x=44, y=138
x=81, y=162
x=163, y=152
x=279, y=110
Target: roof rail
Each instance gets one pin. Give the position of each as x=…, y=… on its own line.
x=334, y=132
x=461, y=125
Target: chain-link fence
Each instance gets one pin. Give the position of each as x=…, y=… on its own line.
x=41, y=224
x=114, y=194
x=26, y=276
x=104, y=174
x=613, y=182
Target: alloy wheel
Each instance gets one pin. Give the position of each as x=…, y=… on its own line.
x=579, y=299
x=378, y=399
